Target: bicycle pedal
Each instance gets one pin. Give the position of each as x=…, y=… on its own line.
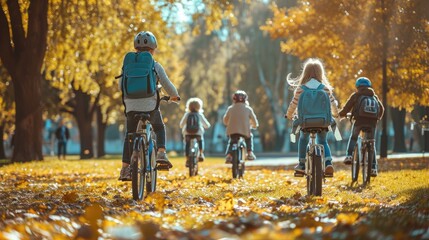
x=162, y=167
x=298, y=174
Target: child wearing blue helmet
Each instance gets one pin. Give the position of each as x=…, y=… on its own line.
x=363, y=119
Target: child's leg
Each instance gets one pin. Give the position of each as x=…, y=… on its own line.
x=187, y=142
x=249, y=143
x=302, y=145
x=321, y=139
x=159, y=129
x=353, y=139
x=127, y=149
x=201, y=143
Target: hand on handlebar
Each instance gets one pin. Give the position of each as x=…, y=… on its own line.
x=175, y=98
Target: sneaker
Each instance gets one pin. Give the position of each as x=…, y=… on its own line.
x=329, y=169
x=228, y=159
x=348, y=160
x=300, y=167
x=250, y=156
x=125, y=174
x=201, y=157
x=374, y=171
x=161, y=158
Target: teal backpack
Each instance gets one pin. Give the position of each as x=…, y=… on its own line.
x=138, y=76
x=314, y=108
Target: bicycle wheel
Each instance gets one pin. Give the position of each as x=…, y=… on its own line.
x=193, y=165
x=355, y=164
x=318, y=174
x=235, y=164
x=365, y=173
x=150, y=172
x=241, y=162
x=368, y=168
x=137, y=172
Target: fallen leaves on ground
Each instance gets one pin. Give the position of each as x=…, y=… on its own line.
x=54, y=199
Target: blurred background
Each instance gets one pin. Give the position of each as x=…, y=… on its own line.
x=59, y=59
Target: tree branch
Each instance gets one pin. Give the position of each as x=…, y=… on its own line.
x=6, y=50
x=18, y=33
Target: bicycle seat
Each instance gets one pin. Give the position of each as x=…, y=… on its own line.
x=313, y=130
x=142, y=116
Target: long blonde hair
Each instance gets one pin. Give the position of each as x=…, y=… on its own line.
x=312, y=68
x=194, y=105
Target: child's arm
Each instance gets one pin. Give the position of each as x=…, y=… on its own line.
x=294, y=103
x=253, y=120
x=348, y=106
x=165, y=81
x=205, y=122
x=226, y=116
x=183, y=121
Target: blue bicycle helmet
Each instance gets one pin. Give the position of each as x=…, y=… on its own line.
x=363, y=82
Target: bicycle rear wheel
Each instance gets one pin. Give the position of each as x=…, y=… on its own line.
x=150, y=172
x=355, y=164
x=314, y=180
x=137, y=173
x=368, y=169
x=193, y=165
x=235, y=164
x=241, y=162
x=365, y=173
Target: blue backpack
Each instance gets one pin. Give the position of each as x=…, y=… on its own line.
x=138, y=76
x=314, y=108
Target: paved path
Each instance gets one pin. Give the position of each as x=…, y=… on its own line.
x=276, y=160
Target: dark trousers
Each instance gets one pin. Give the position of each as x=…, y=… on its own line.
x=233, y=138
x=356, y=129
x=62, y=148
x=158, y=128
x=188, y=139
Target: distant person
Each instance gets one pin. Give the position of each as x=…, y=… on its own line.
x=193, y=124
x=140, y=67
x=62, y=134
x=239, y=119
x=362, y=118
x=313, y=78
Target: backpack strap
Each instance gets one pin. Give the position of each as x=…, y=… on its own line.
x=321, y=87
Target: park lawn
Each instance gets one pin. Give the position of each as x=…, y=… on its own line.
x=55, y=199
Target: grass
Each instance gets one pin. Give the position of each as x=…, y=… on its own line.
x=394, y=205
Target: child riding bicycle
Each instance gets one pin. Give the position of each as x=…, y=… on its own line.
x=312, y=78
x=140, y=95
x=193, y=124
x=366, y=110
x=239, y=119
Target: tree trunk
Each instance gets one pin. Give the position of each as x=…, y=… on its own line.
x=28, y=120
x=83, y=115
x=101, y=133
x=22, y=53
x=2, y=152
x=398, y=120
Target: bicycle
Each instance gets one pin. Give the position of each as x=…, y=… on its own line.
x=314, y=164
x=363, y=155
x=144, y=168
x=193, y=157
x=238, y=150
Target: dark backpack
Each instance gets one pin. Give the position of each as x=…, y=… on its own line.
x=366, y=107
x=193, y=123
x=314, y=108
x=139, y=76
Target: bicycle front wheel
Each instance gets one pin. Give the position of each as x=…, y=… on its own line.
x=193, y=165
x=137, y=173
x=355, y=164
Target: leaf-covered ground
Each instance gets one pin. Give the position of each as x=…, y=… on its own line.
x=82, y=199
